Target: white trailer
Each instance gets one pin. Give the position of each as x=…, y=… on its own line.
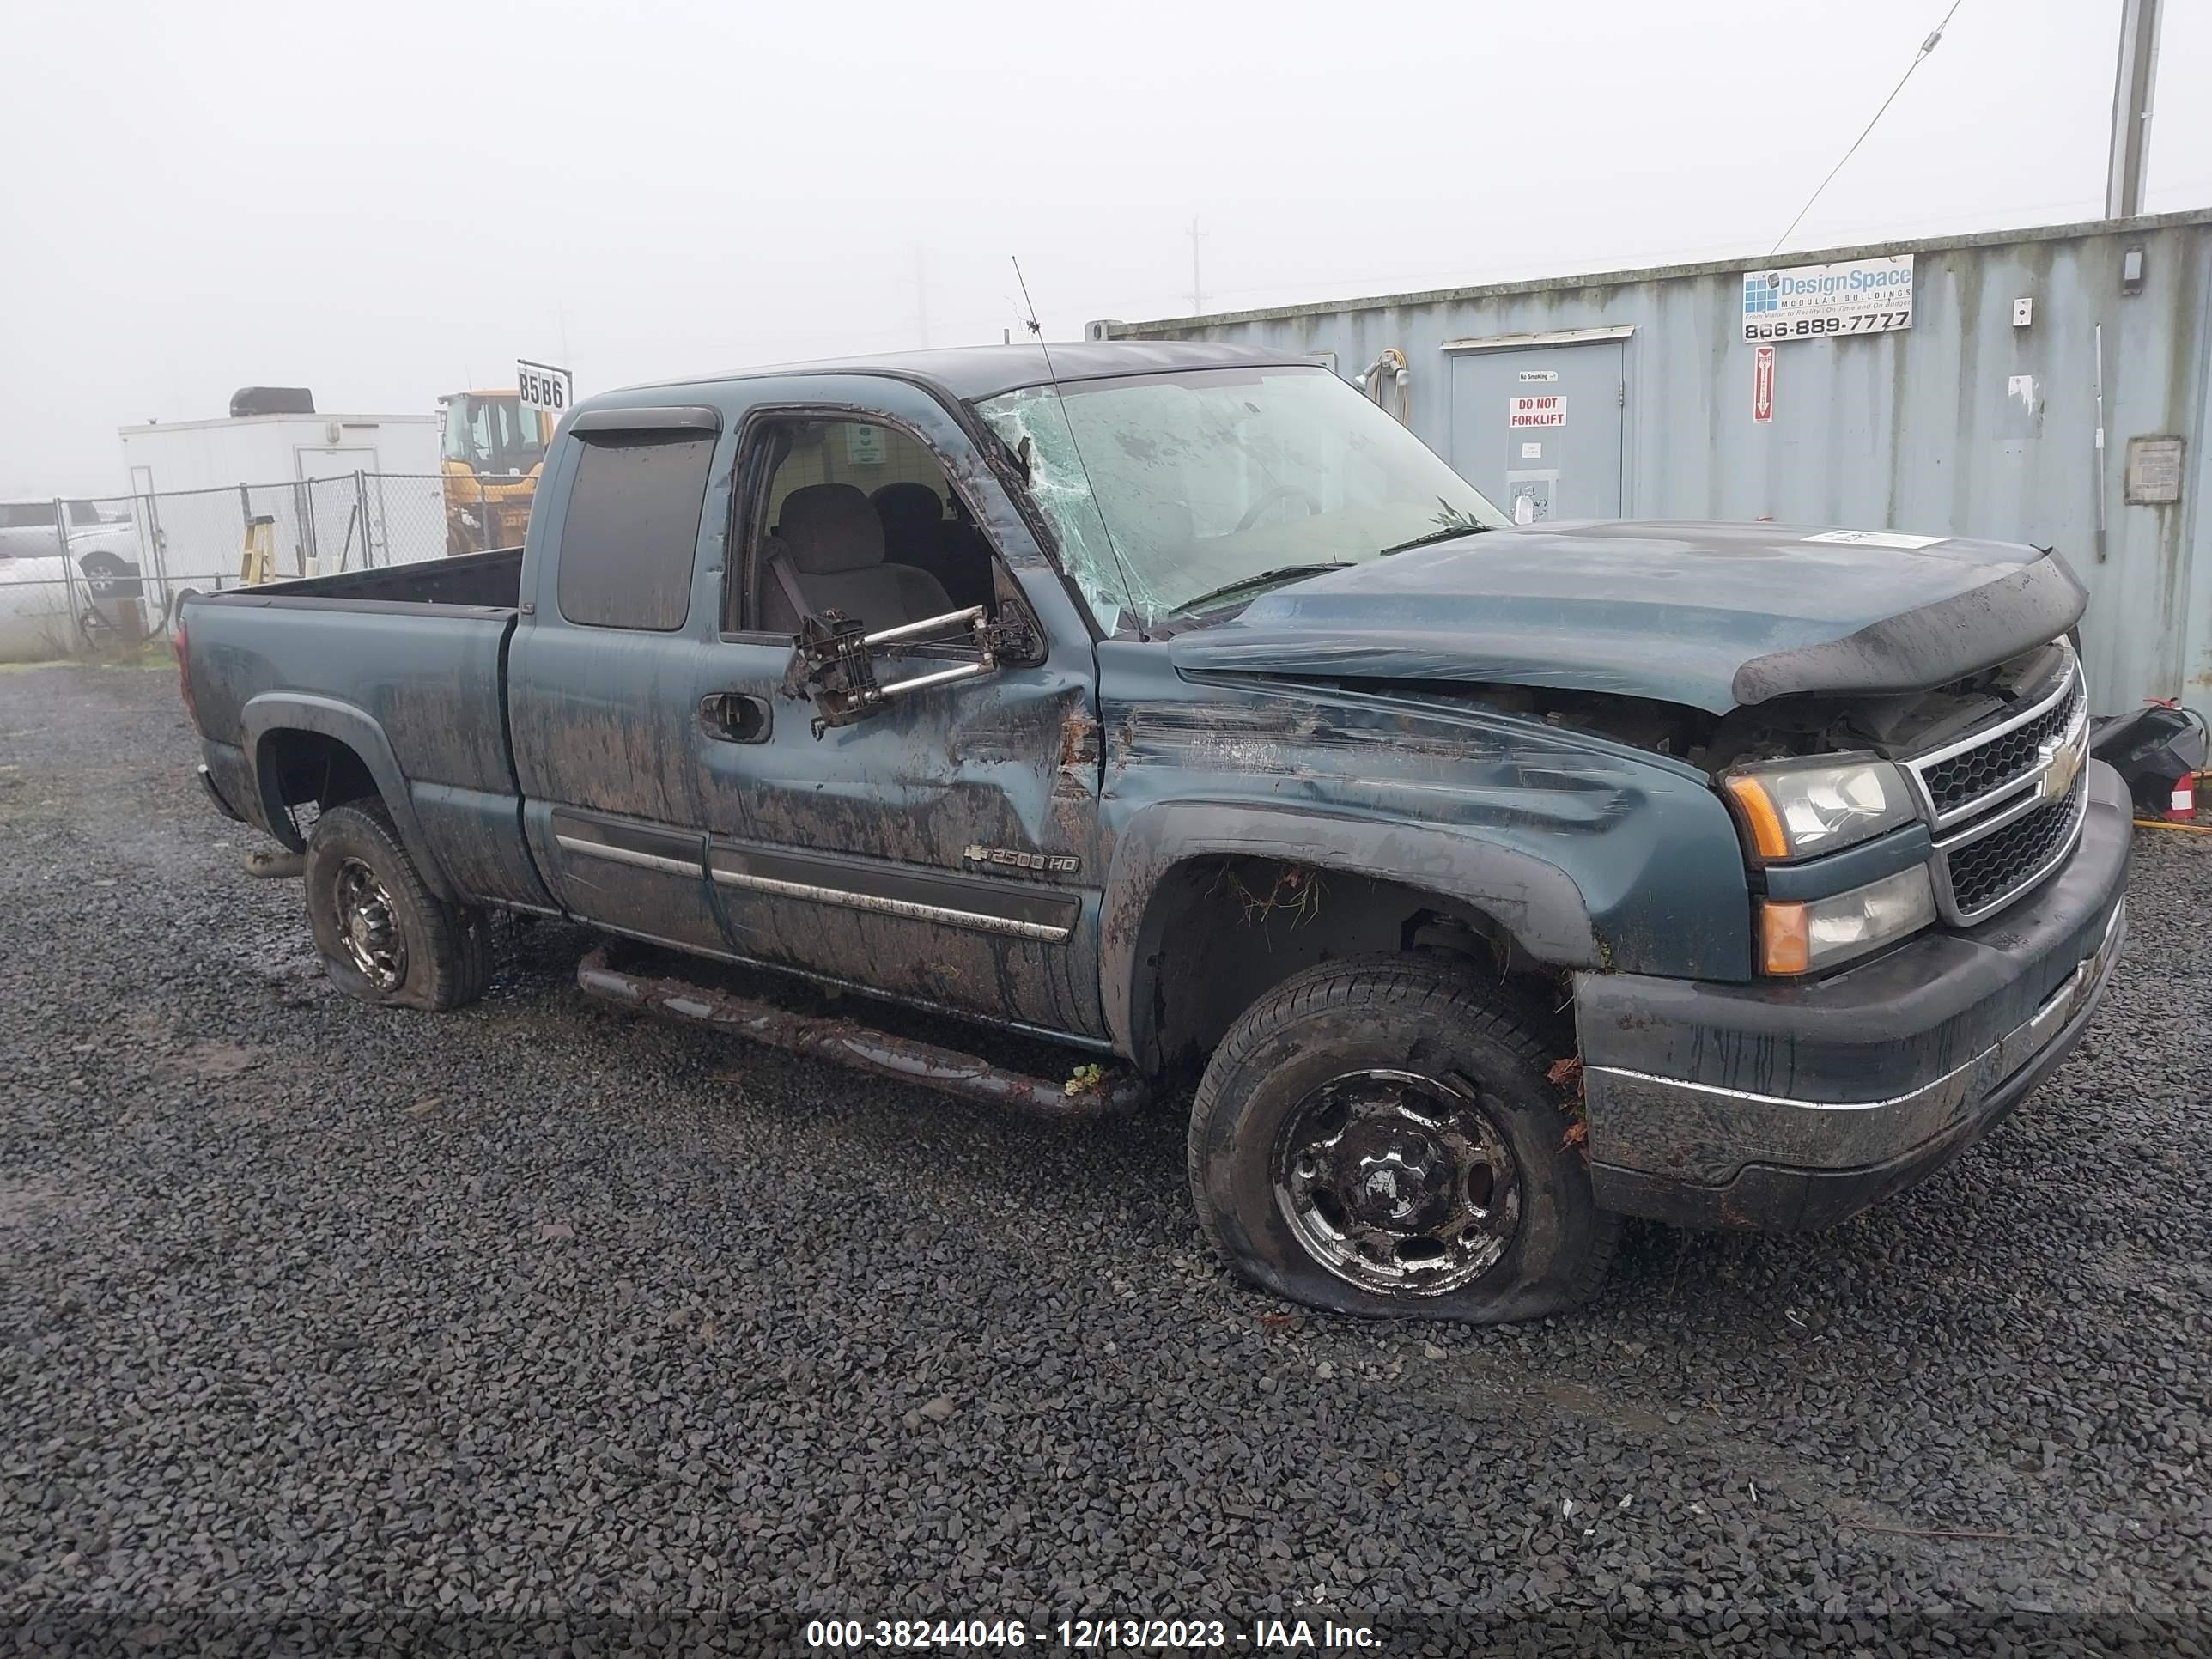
x=342, y=490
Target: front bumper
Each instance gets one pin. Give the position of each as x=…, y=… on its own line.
x=1781, y=1107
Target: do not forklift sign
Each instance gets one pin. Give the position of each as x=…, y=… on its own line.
x=1548, y=410
x=1762, y=384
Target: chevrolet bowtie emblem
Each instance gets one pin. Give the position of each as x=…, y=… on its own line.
x=2062, y=763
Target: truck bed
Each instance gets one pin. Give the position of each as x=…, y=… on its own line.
x=491, y=580
x=406, y=668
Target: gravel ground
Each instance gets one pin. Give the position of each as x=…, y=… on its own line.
x=539, y=1327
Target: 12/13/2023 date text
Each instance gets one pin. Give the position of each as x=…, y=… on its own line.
x=1087, y=1635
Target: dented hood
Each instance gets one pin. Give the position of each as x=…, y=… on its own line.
x=1715, y=616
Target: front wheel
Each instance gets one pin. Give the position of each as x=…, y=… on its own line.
x=1378, y=1136
x=384, y=936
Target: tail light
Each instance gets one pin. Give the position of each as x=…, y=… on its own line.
x=2182, y=809
x=184, y=671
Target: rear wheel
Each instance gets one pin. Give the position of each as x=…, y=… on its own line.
x=1378, y=1137
x=384, y=936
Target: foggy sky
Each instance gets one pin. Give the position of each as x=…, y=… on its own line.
x=389, y=200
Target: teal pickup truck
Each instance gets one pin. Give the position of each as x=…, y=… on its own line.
x=1173, y=703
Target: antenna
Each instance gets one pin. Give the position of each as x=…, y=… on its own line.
x=1129, y=591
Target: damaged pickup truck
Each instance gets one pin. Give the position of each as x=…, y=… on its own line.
x=1175, y=704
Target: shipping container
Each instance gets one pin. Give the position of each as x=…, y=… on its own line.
x=2047, y=386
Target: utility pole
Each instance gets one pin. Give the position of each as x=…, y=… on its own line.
x=1197, y=291
x=921, y=296
x=2132, y=86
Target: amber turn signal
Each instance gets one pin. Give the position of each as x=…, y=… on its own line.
x=1767, y=838
x=1785, y=937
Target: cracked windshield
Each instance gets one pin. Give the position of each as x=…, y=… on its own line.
x=1219, y=484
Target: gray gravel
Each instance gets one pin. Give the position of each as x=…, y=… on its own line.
x=539, y=1327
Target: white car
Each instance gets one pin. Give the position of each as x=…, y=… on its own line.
x=41, y=606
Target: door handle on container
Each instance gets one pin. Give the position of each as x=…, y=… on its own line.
x=735, y=717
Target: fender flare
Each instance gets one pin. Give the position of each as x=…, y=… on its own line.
x=302, y=711
x=1535, y=902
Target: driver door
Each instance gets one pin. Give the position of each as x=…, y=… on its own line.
x=942, y=847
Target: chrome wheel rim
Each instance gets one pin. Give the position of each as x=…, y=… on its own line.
x=1397, y=1182
x=368, y=926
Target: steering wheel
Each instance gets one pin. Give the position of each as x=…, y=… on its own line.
x=1268, y=498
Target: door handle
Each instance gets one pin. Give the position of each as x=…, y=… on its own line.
x=735, y=717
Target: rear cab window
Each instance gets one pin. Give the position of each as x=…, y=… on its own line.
x=631, y=529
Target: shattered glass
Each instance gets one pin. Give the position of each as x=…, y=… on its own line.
x=1035, y=415
x=1164, y=489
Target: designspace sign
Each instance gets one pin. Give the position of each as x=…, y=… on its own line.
x=1811, y=302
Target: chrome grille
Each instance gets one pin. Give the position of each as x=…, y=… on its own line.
x=1989, y=799
x=1990, y=870
x=2008, y=757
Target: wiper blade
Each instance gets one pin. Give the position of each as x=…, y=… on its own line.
x=1280, y=573
x=1443, y=535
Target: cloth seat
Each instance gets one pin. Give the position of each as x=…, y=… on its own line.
x=912, y=514
x=916, y=532
x=830, y=543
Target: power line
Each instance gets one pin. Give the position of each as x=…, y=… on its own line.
x=1926, y=46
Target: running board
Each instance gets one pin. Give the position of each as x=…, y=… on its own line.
x=850, y=1043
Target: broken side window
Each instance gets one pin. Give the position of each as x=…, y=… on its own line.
x=1035, y=416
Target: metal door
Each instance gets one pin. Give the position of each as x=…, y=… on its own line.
x=601, y=706
x=1538, y=428
x=942, y=849
x=337, y=520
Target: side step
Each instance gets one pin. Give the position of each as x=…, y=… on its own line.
x=850, y=1043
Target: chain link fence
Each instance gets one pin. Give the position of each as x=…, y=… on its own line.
x=79, y=575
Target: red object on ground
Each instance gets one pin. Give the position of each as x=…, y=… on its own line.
x=2183, y=809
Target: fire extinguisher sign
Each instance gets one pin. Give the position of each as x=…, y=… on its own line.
x=1762, y=384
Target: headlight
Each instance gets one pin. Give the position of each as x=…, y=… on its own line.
x=1803, y=936
x=1792, y=809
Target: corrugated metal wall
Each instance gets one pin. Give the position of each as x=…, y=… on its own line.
x=1926, y=429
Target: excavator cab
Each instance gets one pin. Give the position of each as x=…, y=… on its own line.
x=492, y=451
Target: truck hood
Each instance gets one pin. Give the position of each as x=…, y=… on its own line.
x=1714, y=616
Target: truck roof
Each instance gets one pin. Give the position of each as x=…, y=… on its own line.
x=967, y=373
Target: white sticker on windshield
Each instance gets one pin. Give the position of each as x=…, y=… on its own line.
x=1875, y=539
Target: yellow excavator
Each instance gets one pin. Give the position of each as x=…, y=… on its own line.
x=491, y=450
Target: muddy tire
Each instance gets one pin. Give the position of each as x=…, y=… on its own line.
x=1377, y=1137
x=383, y=935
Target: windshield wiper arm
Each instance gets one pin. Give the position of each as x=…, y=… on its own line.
x=1280, y=573
x=1443, y=535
